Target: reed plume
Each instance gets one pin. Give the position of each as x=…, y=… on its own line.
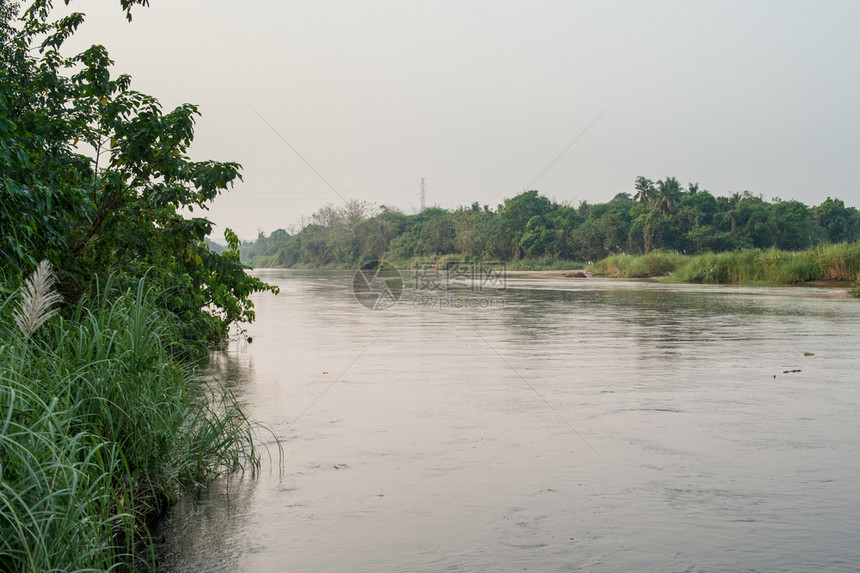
x=37, y=301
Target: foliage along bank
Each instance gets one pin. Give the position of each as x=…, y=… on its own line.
x=656, y=216
x=104, y=419
x=96, y=177
x=101, y=428
x=825, y=262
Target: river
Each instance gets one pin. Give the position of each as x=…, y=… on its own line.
x=552, y=425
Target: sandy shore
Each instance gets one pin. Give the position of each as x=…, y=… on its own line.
x=572, y=274
x=839, y=289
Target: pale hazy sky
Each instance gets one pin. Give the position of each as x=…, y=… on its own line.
x=478, y=97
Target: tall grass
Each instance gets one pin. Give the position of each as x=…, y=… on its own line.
x=101, y=428
x=654, y=264
x=839, y=262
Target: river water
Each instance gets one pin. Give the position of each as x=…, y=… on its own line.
x=567, y=425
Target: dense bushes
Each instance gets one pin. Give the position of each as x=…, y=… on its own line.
x=103, y=419
x=101, y=427
x=96, y=178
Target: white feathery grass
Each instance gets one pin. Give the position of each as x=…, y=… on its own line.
x=38, y=298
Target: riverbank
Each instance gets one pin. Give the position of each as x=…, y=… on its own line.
x=835, y=266
x=579, y=272
x=830, y=265
x=828, y=289
x=103, y=423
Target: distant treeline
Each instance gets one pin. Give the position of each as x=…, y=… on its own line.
x=660, y=215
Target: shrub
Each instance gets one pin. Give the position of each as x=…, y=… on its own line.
x=101, y=428
x=655, y=263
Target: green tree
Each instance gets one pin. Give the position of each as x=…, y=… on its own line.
x=794, y=225
x=648, y=232
x=436, y=234
x=514, y=217
x=588, y=242
x=667, y=195
x=644, y=190
x=377, y=232
x=838, y=223
x=537, y=239
x=119, y=208
x=474, y=230
x=754, y=225
x=700, y=207
x=565, y=220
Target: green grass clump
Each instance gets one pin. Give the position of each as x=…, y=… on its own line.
x=788, y=268
x=839, y=262
x=654, y=264
x=101, y=428
x=721, y=268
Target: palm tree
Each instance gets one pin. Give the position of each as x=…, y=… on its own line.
x=644, y=190
x=668, y=194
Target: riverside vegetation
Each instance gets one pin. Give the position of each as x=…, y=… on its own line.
x=109, y=292
x=101, y=428
x=109, y=298
x=839, y=262
x=656, y=230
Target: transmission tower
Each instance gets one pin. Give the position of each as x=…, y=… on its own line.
x=423, y=194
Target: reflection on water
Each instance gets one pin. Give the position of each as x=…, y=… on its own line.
x=233, y=369
x=210, y=533
x=592, y=425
